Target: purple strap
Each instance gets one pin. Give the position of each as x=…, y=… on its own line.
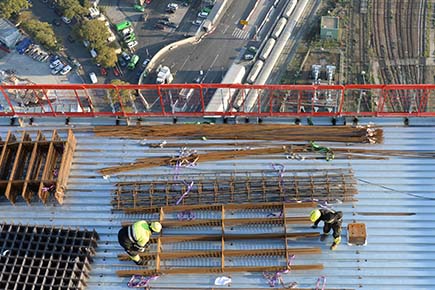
x=138, y=281
x=46, y=189
x=189, y=187
x=281, y=169
x=274, y=278
x=321, y=280
x=186, y=215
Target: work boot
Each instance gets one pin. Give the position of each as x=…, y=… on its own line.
x=335, y=243
x=323, y=237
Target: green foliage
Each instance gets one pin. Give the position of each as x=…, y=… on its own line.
x=11, y=7
x=95, y=31
x=42, y=32
x=72, y=8
x=123, y=93
x=106, y=56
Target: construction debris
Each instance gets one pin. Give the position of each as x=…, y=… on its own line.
x=39, y=257
x=360, y=134
x=243, y=187
x=226, y=257
x=40, y=166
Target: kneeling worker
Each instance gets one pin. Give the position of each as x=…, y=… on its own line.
x=332, y=220
x=135, y=238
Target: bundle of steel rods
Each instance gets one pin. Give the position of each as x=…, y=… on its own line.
x=293, y=185
x=234, y=250
x=348, y=134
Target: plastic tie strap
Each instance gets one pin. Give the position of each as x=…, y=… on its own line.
x=189, y=187
x=138, y=281
x=281, y=169
x=277, y=276
x=49, y=188
x=186, y=215
x=321, y=283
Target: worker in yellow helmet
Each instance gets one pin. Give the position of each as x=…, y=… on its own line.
x=135, y=239
x=332, y=220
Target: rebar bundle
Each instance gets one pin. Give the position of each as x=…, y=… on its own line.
x=272, y=186
x=40, y=166
x=38, y=257
x=234, y=251
x=348, y=134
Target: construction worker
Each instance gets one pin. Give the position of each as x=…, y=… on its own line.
x=332, y=220
x=135, y=239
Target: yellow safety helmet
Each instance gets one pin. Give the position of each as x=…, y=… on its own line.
x=315, y=215
x=156, y=227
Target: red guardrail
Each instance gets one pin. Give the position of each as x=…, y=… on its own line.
x=197, y=100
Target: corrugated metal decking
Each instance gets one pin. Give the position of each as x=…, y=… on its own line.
x=395, y=200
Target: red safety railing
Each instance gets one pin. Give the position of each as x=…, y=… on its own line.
x=202, y=100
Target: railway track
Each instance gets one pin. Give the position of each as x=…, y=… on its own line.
x=398, y=39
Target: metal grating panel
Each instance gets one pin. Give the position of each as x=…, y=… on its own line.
x=34, y=257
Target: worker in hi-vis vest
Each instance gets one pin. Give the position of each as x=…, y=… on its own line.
x=135, y=239
x=332, y=220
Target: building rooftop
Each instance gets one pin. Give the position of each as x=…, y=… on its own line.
x=394, y=199
x=330, y=22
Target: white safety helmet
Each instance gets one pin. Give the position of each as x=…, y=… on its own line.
x=156, y=227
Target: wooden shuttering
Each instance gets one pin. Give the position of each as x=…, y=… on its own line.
x=38, y=166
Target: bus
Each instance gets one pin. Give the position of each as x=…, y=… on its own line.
x=122, y=25
x=133, y=61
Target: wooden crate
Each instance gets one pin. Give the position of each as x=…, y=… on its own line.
x=356, y=234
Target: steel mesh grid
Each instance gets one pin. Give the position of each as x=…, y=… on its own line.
x=48, y=258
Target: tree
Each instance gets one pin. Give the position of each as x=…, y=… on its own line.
x=95, y=31
x=42, y=32
x=124, y=93
x=11, y=7
x=72, y=8
x=106, y=56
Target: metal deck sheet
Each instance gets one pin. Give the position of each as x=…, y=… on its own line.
x=400, y=253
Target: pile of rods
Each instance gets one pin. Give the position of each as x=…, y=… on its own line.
x=292, y=185
x=284, y=132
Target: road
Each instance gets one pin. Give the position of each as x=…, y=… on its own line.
x=214, y=54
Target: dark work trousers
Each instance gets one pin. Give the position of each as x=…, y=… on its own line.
x=125, y=242
x=335, y=226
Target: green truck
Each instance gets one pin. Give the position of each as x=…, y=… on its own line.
x=123, y=25
x=133, y=62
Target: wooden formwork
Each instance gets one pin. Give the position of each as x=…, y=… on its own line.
x=39, y=166
x=280, y=255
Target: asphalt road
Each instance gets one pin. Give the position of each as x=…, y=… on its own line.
x=215, y=53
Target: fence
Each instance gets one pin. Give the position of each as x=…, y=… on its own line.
x=171, y=100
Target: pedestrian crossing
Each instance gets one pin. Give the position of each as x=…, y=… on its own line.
x=240, y=33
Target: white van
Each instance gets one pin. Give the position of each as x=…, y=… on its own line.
x=93, y=78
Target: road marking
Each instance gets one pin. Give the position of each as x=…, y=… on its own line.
x=239, y=33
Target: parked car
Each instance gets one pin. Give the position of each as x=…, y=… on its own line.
x=202, y=14
x=122, y=62
x=172, y=25
x=248, y=56
x=55, y=63
x=116, y=72
x=57, y=69
x=66, y=20
x=165, y=18
x=145, y=63
x=127, y=31
x=125, y=56
x=139, y=8
x=163, y=22
x=130, y=39
x=103, y=71
x=93, y=78
x=129, y=36
x=132, y=44
x=65, y=70
x=159, y=26
x=172, y=6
